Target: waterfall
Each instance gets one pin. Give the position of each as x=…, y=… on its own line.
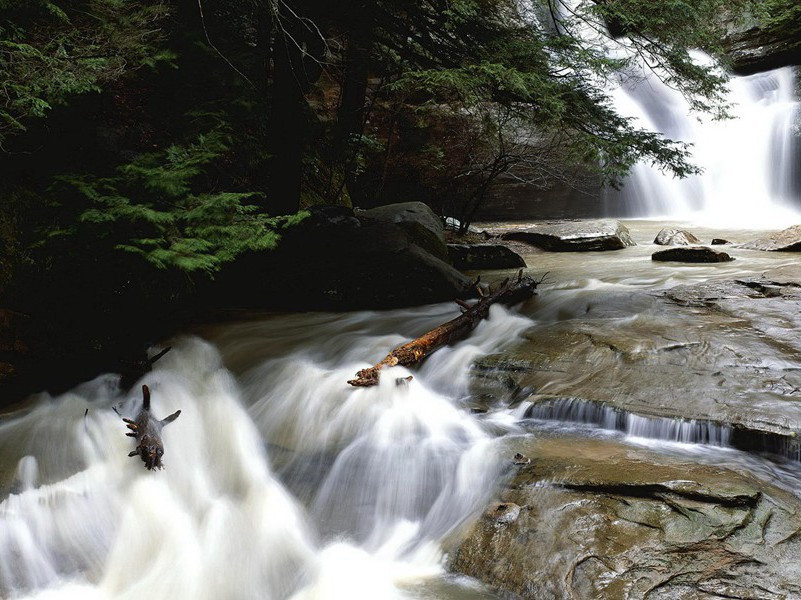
x=750, y=162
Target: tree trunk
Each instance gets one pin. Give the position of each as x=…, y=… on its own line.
x=412, y=353
x=297, y=55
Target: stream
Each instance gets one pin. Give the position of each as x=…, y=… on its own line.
x=282, y=481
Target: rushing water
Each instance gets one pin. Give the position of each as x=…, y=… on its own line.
x=750, y=162
x=283, y=482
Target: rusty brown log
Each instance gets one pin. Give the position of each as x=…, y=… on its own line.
x=412, y=353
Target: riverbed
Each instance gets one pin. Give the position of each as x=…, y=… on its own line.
x=281, y=481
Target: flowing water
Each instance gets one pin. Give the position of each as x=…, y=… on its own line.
x=281, y=481
x=750, y=162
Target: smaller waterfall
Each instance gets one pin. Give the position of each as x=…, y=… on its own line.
x=685, y=431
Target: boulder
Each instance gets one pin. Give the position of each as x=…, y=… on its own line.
x=787, y=240
x=675, y=237
x=720, y=242
x=683, y=349
x=691, y=254
x=575, y=236
x=596, y=518
x=420, y=222
x=336, y=259
x=484, y=256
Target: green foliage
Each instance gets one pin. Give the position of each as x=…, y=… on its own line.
x=158, y=207
x=53, y=50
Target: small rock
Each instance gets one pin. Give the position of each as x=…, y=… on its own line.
x=504, y=512
x=719, y=242
x=484, y=256
x=787, y=240
x=575, y=236
x=675, y=237
x=519, y=459
x=691, y=254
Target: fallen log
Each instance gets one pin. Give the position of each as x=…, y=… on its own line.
x=411, y=353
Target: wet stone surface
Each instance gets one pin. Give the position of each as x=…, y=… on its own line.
x=722, y=351
x=606, y=520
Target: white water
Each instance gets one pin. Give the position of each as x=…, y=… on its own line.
x=283, y=483
x=751, y=163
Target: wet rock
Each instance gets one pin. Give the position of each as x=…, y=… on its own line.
x=720, y=242
x=675, y=237
x=611, y=521
x=681, y=344
x=519, y=459
x=691, y=254
x=484, y=256
x=503, y=512
x=787, y=240
x=757, y=47
x=575, y=236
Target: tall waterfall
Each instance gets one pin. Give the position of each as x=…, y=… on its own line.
x=750, y=162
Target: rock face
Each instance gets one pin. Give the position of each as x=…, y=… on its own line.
x=787, y=240
x=758, y=49
x=575, y=236
x=675, y=237
x=625, y=522
x=691, y=254
x=336, y=259
x=484, y=256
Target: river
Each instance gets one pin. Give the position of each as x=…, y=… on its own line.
x=282, y=481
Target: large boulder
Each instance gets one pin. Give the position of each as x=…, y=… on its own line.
x=422, y=225
x=691, y=254
x=484, y=256
x=336, y=259
x=575, y=236
x=675, y=237
x=596, y=518
x=787, y=240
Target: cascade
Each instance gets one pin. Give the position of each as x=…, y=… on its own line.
x=750, y=162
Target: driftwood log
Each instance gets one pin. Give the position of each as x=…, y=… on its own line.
x=407, y=355
x=147, y=431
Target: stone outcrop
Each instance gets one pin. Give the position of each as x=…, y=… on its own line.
x=574, y=236
x=338, y=259
x=591, y=518
x=787, y=240
x=691, y=254
x=756, y=48
x=675, y=237
x=681, y=345
x=422, y=225
x=478, y=257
